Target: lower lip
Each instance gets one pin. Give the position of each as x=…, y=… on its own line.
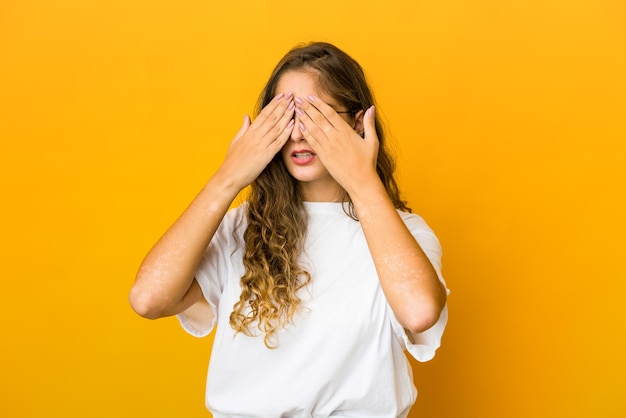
x=302, y=160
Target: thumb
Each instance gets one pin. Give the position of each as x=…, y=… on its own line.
x=244, y=127
x=369, y=123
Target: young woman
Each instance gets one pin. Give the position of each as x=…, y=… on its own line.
x=321, y=280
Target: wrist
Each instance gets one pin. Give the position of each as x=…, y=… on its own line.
x=366, y=188
x=221, y=188
x=224, y=183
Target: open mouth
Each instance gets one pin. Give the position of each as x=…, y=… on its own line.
x=302, y=157
x=302, y=154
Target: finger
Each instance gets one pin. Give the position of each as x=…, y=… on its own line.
x=312, y=133
x=277, y=130
x=272, y=113
x=369, y=124
x=321, y=112
x=283, y=137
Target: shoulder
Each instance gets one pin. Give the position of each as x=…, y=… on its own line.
x=235, y=216
x=422, y=232
x=413, y=220
x=233, y=225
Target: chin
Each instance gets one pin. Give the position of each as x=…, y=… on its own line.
x=308, y=173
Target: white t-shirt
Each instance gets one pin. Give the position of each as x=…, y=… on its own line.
x=343, y=355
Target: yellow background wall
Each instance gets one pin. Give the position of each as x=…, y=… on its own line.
x=511, y=121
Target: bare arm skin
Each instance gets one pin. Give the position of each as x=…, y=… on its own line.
x=165, y=282
x=407, y=277
x=163, y=286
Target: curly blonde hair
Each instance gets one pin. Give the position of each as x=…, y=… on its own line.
x=277, y=221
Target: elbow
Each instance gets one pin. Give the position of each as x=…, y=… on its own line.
x=422, y=321
x=143, y=303
x=425, y=317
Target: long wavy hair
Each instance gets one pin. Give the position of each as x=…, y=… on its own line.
x=276, y=217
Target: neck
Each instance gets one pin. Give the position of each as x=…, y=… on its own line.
x=315, y=192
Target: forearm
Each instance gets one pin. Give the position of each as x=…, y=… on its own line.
x=163, y=285
x=407, y=277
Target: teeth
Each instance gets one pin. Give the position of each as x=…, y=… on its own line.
x=303, y=154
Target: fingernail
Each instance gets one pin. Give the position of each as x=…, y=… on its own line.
x=280, y=96
x=301, y=126
x=298, y=100
x=299, y=111
x=291, y=106
x=312, y=98
x=289, y=95
x=371, y=110
x=290, y=124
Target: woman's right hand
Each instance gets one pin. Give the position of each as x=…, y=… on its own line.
x=165, y=281
x=258, y=142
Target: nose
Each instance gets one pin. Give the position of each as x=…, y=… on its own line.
x=296, y=133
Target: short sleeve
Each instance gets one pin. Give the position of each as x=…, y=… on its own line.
x=211, y=275
x=422, y=346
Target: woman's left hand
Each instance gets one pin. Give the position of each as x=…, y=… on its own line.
x=407, y=277
x=349, y=158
